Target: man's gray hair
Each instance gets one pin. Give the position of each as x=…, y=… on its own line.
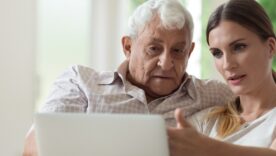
x=172, y=13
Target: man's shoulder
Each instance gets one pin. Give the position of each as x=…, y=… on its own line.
x=85, y=70
x=211, y=92
x=207, y=82
x=211, y=87
x=81, y=69
x=85, y=73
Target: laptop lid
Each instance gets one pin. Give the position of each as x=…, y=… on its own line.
x=66, y=134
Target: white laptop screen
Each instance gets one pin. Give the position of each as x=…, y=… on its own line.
x=66, y=134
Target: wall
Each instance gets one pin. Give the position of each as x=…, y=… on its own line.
x=109, y=24
x=17, y=31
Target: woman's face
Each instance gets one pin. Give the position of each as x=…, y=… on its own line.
x=241, y=57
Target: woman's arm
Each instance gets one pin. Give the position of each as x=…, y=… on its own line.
x=186, y=140
x=227, y=149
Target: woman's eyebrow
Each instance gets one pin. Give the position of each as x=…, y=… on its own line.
x=232, y=43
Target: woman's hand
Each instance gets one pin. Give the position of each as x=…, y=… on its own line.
x=185, y=140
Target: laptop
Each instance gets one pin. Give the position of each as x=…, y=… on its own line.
x=68, y=134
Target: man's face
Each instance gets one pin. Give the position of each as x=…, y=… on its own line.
x=158, y=58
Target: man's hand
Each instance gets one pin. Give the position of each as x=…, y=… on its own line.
x=184, y=139
x=30, y=144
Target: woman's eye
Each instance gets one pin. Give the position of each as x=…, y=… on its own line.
x=217, y=53
x=239, y=47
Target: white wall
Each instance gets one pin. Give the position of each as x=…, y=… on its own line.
x=194, y=66
x=17, y=31
x=109, y=24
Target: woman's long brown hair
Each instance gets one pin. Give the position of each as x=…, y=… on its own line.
x=252, y=16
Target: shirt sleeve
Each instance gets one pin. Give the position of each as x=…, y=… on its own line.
x=215, y=93
x=66, y=94
x=197, y=120
x=201, y=122
x=223, y=93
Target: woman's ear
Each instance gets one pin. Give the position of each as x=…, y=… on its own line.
x=272, y=46
x=126, y=43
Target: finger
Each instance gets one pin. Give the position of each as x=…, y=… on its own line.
x=172, y=132
x=176, y=147
x=172, y=148
x=175, y=133
x=180, y=119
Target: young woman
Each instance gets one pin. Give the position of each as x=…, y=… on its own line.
x=241, y=39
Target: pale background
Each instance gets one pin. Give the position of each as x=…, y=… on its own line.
x=40, y=38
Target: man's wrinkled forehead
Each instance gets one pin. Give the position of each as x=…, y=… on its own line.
x=155, y=24
x=153, y=39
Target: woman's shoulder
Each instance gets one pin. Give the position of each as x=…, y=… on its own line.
x=202, y=120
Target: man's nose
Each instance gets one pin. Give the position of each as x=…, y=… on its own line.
x=166, y=61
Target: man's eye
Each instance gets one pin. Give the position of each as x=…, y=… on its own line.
x=178, y=50
x=153, y=49
x=217, y=53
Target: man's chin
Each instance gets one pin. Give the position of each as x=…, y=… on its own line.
x=157, y=93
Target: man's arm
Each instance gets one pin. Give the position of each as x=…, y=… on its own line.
x=273, y=145
x=30, y=148
x=67, y=92
x=66, y=96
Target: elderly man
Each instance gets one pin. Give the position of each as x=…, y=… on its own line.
x=152, y=79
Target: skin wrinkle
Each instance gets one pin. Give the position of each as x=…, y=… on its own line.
x=158, y=56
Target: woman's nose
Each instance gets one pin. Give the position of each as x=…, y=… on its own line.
x=229, y=62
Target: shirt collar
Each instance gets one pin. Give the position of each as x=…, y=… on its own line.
x=188, y=86
x=122, y=71
x=106, y=78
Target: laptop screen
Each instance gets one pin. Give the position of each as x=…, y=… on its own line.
x=66, y=134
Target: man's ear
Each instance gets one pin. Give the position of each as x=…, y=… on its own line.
x=126, y=43
x=191, y=48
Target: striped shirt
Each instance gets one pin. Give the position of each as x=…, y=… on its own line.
x=82, y=89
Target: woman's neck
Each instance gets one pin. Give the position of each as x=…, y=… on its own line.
x=257, y=103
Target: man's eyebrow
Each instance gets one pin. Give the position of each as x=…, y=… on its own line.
x=232, y=43
x=156, y=40
x=181, y=42
x=161, y=41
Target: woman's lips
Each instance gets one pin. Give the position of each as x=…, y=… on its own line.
x=236, y=80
